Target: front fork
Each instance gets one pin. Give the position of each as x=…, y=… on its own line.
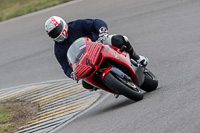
x=120, y=74
x=116, y=71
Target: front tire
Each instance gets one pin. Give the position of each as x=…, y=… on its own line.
x=120, y=87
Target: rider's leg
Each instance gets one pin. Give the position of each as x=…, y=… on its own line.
x=119, y=41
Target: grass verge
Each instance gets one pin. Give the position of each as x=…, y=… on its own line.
x=5, y=115
x=15, y=114
x=14, y=8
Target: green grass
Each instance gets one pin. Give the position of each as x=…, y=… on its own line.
x=15, y=114
x=6, y=113
x=5, y=127
x=13, y=8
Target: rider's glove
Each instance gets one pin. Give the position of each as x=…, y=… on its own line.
x=103, y=34
x=143, y=60
x=73, y=76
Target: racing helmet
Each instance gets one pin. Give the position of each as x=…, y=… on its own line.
x=56, y=28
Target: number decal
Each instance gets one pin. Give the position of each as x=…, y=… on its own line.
x=88, y=62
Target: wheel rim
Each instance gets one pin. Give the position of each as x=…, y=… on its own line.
x=128, y=83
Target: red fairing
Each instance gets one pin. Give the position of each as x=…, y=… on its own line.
x=90, y=58
x=115, y=54
x=105, y=72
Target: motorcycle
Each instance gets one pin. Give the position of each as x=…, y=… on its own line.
x=110, y=68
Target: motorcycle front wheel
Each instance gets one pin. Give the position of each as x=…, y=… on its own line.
x=123, y=87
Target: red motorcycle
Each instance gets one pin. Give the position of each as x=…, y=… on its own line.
x=110, y=68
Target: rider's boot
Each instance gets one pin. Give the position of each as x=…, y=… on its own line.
x=138, y=58
x=88, y=86
x=93, y=89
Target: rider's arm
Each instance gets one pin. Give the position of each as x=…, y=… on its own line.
x=92, y=25
x=63, y=61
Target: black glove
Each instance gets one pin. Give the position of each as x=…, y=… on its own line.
x=73, y=76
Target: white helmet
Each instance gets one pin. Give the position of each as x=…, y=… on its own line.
x=56, y=28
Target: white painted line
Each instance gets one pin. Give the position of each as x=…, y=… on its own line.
x=103, y=97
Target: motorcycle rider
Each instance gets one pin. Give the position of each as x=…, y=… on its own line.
x=64, y=34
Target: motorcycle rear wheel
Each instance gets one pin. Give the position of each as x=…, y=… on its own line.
x=150, y=81
x=121, y=87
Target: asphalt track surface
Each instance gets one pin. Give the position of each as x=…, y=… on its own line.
x=166, y=31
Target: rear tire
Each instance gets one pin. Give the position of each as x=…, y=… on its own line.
x=122, y=88
x=150, y=81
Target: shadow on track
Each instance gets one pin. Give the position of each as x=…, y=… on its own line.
x=115, y=106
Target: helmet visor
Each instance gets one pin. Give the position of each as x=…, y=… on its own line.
x=56, y=31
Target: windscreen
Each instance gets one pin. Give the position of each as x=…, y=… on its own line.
x=76, y=50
